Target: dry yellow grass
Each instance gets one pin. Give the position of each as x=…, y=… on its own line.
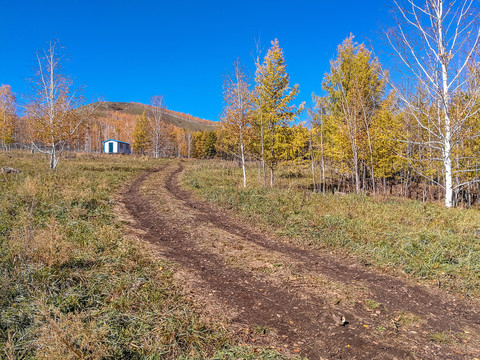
x=74, y=286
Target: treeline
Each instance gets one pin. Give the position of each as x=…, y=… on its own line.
x=150, y=134
x=160, y=137
x=155, y=137
x=55, y=119
x=89, y=137
x=188, y=117
x=417, y=136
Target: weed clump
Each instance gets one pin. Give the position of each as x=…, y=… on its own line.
x=73, y=287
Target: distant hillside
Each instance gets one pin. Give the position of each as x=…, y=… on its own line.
x=183, y=121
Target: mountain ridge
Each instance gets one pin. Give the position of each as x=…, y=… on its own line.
x=178, y=119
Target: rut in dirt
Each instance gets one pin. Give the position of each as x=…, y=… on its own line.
x=388, y=289
x=295, y=317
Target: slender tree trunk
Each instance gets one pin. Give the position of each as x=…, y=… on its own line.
x=323, y=159
x=52, y=160
x=447, y=146
x=313, y=176
x=189, y=142
x=263, y=148
x=243, y=164
x=371, y=161
x=312, y=160
x=447, y=161
x=259, y=168
x=355, y=169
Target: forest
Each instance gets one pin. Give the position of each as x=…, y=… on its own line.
x=413, y=135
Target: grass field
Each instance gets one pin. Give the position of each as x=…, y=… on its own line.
x=424, y=241
x=74, y=287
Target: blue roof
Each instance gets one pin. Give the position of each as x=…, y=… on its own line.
x=116, y=141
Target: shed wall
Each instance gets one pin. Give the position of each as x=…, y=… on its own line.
x=117, y=149
x=106, y=146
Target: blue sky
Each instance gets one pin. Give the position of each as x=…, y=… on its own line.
x=132, y=50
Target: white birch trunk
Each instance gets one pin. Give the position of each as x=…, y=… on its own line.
x=447, y=145
x=243, y=164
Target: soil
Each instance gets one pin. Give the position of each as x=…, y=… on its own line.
x=302, y=302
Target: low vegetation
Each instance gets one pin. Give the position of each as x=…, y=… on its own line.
x=424, y=241
x=74, y=287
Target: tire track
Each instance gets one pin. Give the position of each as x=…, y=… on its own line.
x=390, y=290
x=259, y=302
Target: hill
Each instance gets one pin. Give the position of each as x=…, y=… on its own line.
x=178, y=119
x=116, y=120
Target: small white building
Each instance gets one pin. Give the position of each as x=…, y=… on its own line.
x=112, y=146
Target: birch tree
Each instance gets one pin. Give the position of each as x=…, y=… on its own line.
x=237, y=113
x=317, y=137
x=156, y=123
x=258, y=124
x=437, y=43
x=53, y=115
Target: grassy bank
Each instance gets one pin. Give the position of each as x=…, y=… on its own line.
x=73, y=287
x=424, y=241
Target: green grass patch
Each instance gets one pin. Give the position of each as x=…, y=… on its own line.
x=423, y=240
x=73, y=287
x=440, y=338
x=371, y=304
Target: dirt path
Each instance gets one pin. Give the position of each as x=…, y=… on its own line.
x=299, y=296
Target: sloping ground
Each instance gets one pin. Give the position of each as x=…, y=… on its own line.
x=175, y=118
x=309, y=302
x=75, y=287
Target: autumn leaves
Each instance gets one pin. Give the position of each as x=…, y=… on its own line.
x=415, y=134
x=256, y=120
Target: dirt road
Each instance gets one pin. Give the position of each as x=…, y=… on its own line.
x=316, y=304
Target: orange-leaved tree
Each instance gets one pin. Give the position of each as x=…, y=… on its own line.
x=141, y=134
x=7, y=116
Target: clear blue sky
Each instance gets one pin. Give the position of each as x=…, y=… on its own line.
x=132, y=50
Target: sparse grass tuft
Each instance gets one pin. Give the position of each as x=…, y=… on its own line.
x=440, y=338
x=407, y=320
x=371, y=304
x=262, y=330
